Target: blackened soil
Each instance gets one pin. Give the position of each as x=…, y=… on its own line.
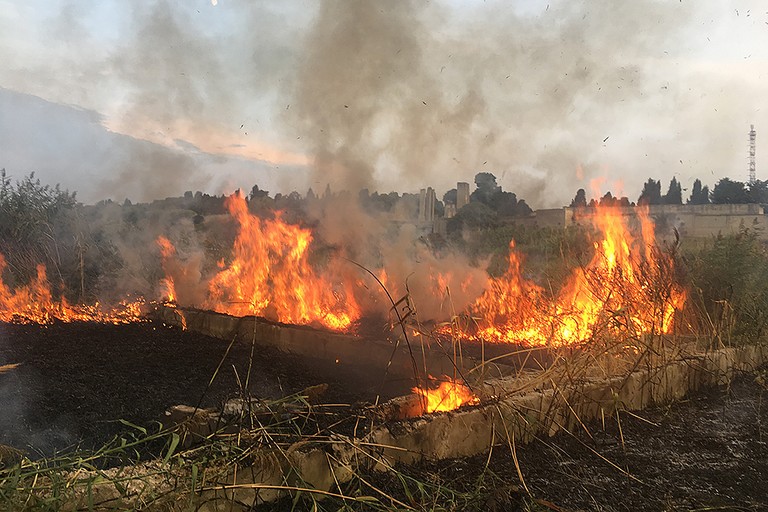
x=709, y=452
x=74, y=381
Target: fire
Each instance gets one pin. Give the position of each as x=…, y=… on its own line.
x=270, y=275
x=625, y=288
x=34, y=303
x=449, y=395
x=168, y=251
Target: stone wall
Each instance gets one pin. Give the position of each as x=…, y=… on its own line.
x=693, y=221
x=384, y=354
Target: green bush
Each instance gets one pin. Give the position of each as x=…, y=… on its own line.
x=35, y=220
x=729, y=286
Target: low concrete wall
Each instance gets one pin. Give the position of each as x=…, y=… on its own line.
x=343, y=349
x=516, y=418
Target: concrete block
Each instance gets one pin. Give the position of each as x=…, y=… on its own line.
x=522, y=405
x=534, y=413
x=241, y=484
x=519, y=418
x=310, y=468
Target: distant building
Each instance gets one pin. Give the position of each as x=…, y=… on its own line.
x=427, y=205
x=462, y=194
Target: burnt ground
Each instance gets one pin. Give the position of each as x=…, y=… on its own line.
x=76, y=380
x=707, y=452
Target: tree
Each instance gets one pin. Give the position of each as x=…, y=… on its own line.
x=728, y=191
x=651, y=193
x=486, y=188
x=257, y=194
x=474, y=215
x=758, y=192
x=439, y=209
x=505, y=203
x=607, y=199
x=450, y=196
x=674, y=194
x=580, y=201
x=610, y=201
x=523, y=208
x=699, y=194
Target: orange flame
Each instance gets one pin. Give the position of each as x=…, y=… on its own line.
x=34, y=303
x=167, y=251
x=449, y=395
x=626, y=287
x=270, y=274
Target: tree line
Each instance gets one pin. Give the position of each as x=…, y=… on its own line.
x=726, y=191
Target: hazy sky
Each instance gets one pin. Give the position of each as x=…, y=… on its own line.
x=146, y=99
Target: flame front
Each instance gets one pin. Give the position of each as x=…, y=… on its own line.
x=34, y=303
x=449, y=395
x=269, y=275
x=625, y=288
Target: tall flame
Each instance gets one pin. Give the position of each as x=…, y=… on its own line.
x=625, y=287
x=270, y=273
x=167, y=251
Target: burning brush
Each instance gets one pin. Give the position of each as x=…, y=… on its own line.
x=34, y=303
x=626, y=289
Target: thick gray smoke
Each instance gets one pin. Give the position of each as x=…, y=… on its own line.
x=438, y=287
x=407, y=93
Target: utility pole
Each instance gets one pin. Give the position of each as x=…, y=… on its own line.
x=752, y=137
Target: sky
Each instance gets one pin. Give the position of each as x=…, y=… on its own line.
x=151, y=98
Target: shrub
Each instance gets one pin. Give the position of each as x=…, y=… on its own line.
x=729, y=286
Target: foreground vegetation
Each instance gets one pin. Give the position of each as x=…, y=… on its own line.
x=115, y=478
x=541, y=477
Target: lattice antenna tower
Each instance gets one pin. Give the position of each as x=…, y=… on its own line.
x=752, y=137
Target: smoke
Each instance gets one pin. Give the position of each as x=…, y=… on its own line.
x=420, y=94
x=20, y=425
x=438, y=285
x=406, y=94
